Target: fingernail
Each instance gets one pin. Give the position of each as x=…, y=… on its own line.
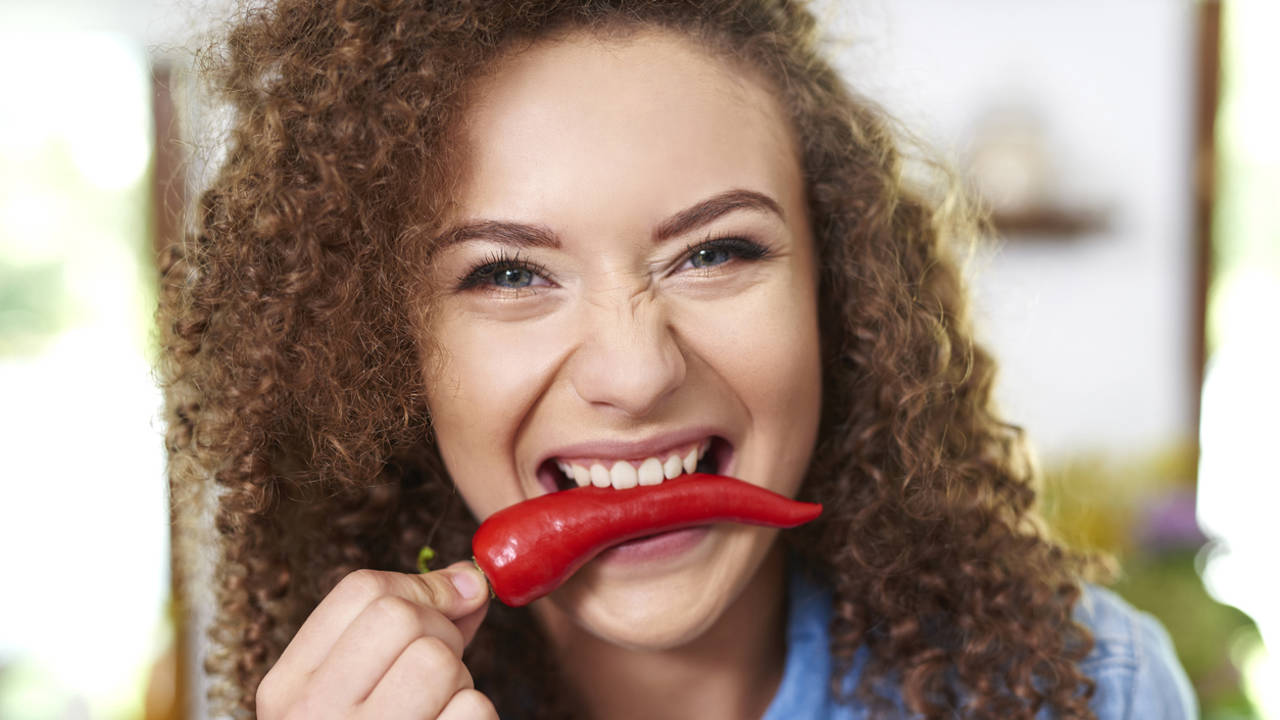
x=467, y=583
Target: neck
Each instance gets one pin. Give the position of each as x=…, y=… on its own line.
x=731, y=671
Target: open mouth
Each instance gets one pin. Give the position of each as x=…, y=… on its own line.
x=711, y=455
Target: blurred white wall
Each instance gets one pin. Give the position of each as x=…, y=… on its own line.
x=160, y=26
x=1094, y=335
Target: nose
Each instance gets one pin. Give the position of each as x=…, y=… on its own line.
x=628, y=358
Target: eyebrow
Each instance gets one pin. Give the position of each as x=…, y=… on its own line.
x=528, y=235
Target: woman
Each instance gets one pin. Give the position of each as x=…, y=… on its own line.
x=461, y=255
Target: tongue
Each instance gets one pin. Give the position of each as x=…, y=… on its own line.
x=529, y=549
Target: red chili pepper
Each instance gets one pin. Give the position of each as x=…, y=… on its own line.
x=527, y=550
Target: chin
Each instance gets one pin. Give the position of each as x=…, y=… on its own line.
x=651, y=613
x=651, y=620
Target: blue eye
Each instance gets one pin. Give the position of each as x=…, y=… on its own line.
x=718, y=251
x=501, y=273
x=512, y=277
x=709, y=257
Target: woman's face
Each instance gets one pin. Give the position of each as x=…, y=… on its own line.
x=629, y=275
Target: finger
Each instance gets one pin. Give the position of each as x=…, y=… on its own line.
x=469, y=624
x=419, y=684
x=468, y=704
x=465, y=591
x=455, y=591
x=372, y=643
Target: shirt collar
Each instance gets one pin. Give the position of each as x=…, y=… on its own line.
x=805, y=688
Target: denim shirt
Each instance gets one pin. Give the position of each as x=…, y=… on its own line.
x=1132, y=662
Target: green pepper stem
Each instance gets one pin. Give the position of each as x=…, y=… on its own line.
x=425, y=556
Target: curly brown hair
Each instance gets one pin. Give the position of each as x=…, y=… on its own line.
x=293, y=375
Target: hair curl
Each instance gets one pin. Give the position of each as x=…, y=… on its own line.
x=293, y=382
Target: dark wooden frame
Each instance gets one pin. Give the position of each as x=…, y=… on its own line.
x=1208, y=65
x=168, y=195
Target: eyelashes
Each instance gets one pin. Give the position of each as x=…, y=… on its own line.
x=735, y=246
x=503, y=272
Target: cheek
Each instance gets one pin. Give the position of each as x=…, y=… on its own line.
x=765, y=346
x=478, y=397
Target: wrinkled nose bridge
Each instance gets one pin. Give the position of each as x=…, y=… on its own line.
x=628, y=356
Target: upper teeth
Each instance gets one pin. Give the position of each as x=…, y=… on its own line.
x=623, y=474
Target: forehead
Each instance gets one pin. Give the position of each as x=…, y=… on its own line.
x=575, y=125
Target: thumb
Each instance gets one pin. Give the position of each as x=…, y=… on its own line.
x=469, y=624
x=456, y=591
x=464, y=573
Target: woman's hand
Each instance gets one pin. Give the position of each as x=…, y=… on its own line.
x=384, y=645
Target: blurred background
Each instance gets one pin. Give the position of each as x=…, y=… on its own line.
x=1128, y=152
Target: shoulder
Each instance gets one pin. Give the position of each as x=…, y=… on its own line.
x=1133, y=664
